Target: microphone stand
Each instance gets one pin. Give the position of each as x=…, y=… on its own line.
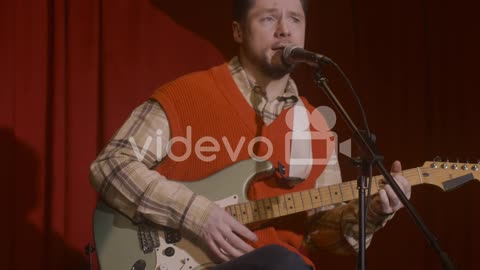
x=369, y=158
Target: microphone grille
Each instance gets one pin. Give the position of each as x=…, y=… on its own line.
x=287, y=51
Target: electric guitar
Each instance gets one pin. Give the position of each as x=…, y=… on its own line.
x=120, y=244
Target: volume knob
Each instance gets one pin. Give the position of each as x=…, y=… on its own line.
x=169, y=252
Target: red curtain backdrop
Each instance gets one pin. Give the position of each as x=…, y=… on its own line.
x=72, y=71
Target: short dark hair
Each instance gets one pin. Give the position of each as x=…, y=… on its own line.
x=241, y=8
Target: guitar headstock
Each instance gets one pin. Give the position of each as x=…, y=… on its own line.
x=449, y=175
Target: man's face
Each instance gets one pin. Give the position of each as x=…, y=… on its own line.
x=269, y=26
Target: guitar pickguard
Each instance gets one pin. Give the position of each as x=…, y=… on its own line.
x=184, y=254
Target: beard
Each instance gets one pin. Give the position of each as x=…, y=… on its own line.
x=273, y=68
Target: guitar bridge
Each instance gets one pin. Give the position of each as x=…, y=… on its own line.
x=148, y=238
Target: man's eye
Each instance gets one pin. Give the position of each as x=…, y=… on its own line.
x=296, y=20
x=268, y=18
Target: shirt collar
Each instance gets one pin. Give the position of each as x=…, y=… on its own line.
x=247, y=85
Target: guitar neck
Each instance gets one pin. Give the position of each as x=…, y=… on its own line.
x=283, y=205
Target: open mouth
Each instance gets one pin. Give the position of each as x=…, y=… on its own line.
x=280, y=46
x=277, y=48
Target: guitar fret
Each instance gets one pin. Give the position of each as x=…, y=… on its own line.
x=311, y=199
x=320, y=197
x=275, y=206
x=233, y=212
x=254, y=208
x=341, y=193
x=356, y=188
x=297, y=202
x=325, y=196
x=248, y=205
x=344, y=190
x=268, y=207
x=307, y=200
x=315, y=198
x=351, y=188
x=238, y=211
x=330, y=192
x=336, y=196
x=244, y=214
x=248, y=212
x=289, y=202
x=282, y=205
x=261, y=209
x=304, y=203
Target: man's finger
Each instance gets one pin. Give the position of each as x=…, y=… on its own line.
x=384, y=201
x=405, y=185
x=243, y=231
x=394, y=200
x=396, y=167
x=216, y=251
x=225, y=245
x=238, y=243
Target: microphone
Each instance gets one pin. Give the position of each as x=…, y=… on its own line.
x=293, y=55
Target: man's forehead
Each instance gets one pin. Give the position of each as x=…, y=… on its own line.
x=280, y=4
x=265, y=6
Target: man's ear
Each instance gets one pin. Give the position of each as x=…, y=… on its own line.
x=237, y=32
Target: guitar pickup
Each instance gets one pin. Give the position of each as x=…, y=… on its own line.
x=148, y=237
x=172, y=236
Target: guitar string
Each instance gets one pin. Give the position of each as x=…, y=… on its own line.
x=411, y=174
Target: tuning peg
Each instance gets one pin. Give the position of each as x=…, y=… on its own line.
x=476, y=166
x=434, y=165
x=444, y=165
x=455, y=165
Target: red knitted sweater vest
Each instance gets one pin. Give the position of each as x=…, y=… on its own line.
x=207, y=108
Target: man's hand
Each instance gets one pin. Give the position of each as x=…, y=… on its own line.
x=387, y=201
x=223, y=234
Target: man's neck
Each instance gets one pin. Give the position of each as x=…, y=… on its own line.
x=273, y=87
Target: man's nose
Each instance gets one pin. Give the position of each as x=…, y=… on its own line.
x=283, y=29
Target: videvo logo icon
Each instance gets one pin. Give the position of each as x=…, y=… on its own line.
x=306, y=128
